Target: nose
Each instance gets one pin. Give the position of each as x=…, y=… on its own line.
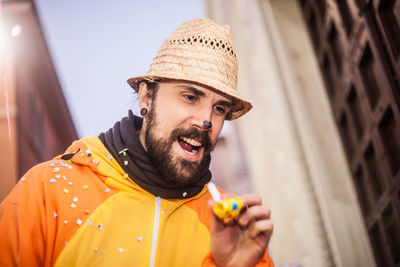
x=202, y=120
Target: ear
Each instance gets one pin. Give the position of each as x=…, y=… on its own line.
x=144, y=96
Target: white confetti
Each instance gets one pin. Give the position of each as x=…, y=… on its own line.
x=52, y=165
x=56, y=169
x=65, y=222
x=120, y=250
x=70, y=167
x=96, y=249
x=55, y=214
x=52, y=180
x=139, y=238
x=78, y=221
x=123, y=150
x=107, y=190
x=70, y=183
x=64, y=177
x=23, y=179
x=75, y=199
x=57, y=176
x=125, y=162
x=184, y=194
x=109, y=157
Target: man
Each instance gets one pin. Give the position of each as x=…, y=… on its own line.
x=136, y=195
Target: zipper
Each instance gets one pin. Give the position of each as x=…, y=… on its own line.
x=155, y=231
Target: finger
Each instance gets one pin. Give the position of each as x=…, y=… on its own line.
x=251, y=200
x=254, y=213
x=263, y=227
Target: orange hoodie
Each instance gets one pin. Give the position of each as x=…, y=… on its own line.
x=85, y=212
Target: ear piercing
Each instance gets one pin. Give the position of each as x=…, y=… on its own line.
x=143, y=112
x=207, y=124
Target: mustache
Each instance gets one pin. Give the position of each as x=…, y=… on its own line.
x=193, y=133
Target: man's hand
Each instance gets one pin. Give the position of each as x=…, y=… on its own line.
x=241, y=241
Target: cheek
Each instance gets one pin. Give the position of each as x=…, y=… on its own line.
x=177, y=115
x=217, y=128
x=169, y=119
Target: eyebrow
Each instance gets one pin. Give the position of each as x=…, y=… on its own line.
x=224, y=103
x=197, y=92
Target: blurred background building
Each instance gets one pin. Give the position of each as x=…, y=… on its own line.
x=35, y=123
x=321, y=145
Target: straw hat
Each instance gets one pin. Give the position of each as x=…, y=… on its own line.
x=199, y=51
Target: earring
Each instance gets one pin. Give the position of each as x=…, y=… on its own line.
x=207, y=124
x=143, y=112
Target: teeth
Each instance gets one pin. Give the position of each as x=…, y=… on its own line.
x=193, y=152
x=191, y=141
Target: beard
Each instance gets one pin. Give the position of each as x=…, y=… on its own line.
x=176, y=171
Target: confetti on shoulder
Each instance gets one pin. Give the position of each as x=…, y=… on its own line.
x=52, y=180
x=23, y=179
x=107, y=190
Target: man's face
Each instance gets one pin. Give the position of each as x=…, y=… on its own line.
x=173, y=133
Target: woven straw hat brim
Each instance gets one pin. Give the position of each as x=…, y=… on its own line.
x=239, y=108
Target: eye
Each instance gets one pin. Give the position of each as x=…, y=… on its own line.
x=220, y=110
x=190, y=98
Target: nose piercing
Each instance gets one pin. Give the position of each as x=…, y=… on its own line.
x=207, y=124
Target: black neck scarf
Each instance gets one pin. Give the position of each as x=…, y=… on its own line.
x=122, y=141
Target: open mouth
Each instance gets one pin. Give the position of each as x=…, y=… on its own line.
x=190, y=145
